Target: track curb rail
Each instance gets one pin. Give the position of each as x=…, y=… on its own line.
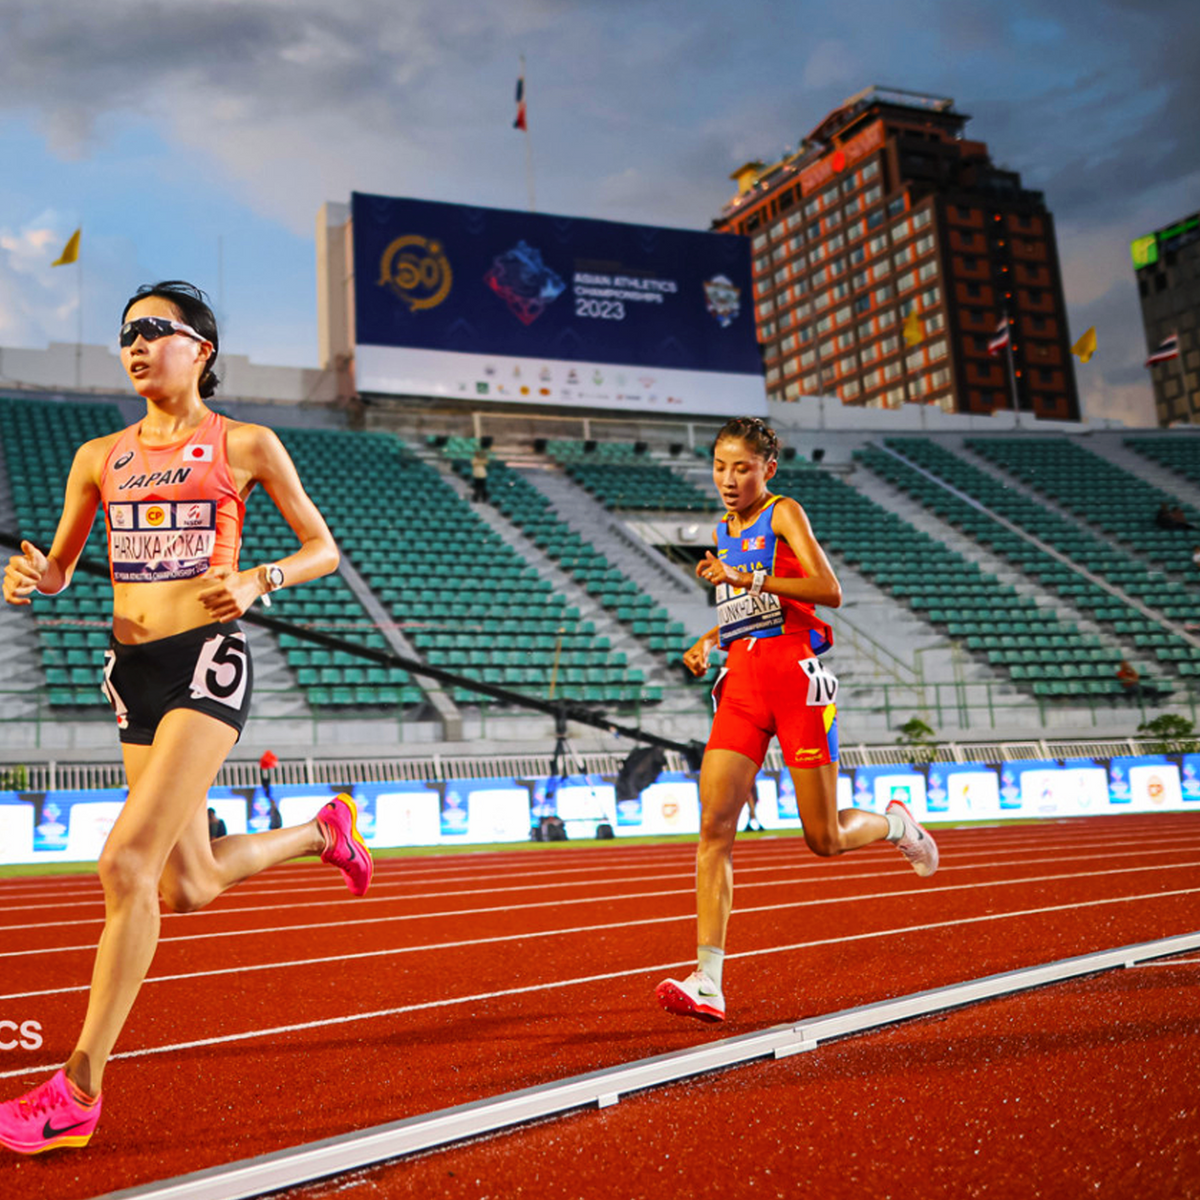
x=305, y=1164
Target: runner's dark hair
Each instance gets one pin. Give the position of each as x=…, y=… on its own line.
x=755, y=432
x=194, y=310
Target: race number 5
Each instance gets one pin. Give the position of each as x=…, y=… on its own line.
x=822, y=684
x=221, y=670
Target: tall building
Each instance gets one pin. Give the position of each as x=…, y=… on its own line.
x=1167, y=263
x=887, y=250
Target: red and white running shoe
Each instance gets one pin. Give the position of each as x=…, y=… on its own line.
x=696, y=996
x=47, y=1117
x=344, y=847
x=915, y=843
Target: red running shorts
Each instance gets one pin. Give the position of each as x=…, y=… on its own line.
x=776, y=687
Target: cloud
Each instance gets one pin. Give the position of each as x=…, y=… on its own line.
x=830, y=62
x=40, y=304
x=32, y=300
x=639, y=109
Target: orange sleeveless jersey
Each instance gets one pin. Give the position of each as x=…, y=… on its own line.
x=172, y=511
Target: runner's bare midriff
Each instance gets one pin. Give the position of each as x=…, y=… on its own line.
x=144, y=612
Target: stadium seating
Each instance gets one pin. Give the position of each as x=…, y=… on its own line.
x=620, y=477
x=1179, y=453
x=522, y=504
x=1040, y=652
x=39, y=441
x=369, y=487
x=1100, y=558
x=469, y=603
x=1096, y=491
x=564, y=451
x=455, y=589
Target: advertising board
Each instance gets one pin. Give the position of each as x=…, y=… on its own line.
x=494, y=305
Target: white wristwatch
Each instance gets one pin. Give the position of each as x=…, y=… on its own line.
x=756, y=583
x=275, y=578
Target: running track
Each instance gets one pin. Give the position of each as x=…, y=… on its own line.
x=290, y=1012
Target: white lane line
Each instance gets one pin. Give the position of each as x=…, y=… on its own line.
x=267, y=883
x=558, y=984
x=782, y=841
x=860, y=866
x=558, y=931
x=896, y=867
x=618, y=897
x=253, y=889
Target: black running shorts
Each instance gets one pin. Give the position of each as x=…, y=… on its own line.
x=207, y=669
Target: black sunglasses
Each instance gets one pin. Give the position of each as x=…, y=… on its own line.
x=150, y=329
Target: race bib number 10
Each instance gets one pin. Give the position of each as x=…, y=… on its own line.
x=822, y=684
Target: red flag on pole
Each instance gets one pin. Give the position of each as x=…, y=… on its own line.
x=519, y=123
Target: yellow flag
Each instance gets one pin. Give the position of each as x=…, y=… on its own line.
x=912, y=328
x=1086, y=346
x=70, y=251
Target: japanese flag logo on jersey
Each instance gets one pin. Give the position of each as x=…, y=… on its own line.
x=198, y=454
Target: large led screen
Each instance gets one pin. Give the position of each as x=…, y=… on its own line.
x=487, y=304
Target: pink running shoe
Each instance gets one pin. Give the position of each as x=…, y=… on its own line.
x=696, y=996
x=915, y=843
x=344, y=847
x=47, y=1117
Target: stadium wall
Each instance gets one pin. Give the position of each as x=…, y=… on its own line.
x=71, y=825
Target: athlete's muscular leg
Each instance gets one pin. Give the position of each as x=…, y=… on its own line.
x=169, y=783
x=826, y=830
x=726, y=778
x=199, y=870
x=168, y=789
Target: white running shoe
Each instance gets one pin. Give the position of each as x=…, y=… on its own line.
x=696, y=996
x=915, y=843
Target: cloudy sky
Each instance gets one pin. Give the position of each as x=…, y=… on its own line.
x=198, y=138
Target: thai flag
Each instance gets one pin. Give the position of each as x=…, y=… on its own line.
x=1000, y=338
x=1168, y=349
x=519, y=123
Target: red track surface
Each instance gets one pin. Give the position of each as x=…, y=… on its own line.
x=480, y=974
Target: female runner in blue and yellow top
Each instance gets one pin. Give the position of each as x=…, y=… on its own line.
x=770, y=573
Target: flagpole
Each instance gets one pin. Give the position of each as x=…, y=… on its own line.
x=1012, y=371
x=1183, y=387
x=529, y=172
x=79, y=327
x=528, y=151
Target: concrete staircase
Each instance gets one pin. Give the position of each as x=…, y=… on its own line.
x=665, y=582
x=620, y=639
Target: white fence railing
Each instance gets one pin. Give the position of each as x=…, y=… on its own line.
x=54, y=775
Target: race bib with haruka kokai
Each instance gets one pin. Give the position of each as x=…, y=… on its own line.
x=150, y=541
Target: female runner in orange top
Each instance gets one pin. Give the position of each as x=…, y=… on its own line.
x=769, y=572
x=178, y=671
